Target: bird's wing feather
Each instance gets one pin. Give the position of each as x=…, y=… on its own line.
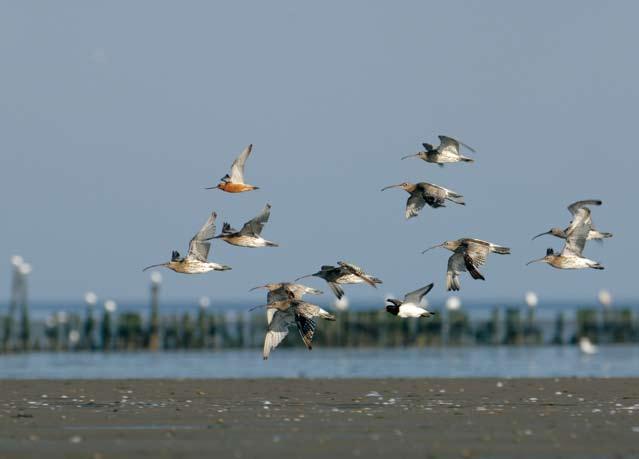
x=254, y=227
x=199, y=247
x=577, y=233
x=357, y=271
x=237, y=168
x=416, y=296
x=478, y=252
x=277, y=330
x=575, y=206
x=306, y=327
x=415, y=204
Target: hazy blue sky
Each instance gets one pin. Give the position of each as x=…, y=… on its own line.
x=115, y=115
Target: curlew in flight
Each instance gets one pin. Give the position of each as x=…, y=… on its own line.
x=288, y=312
x=446, y=152
x=410, y=307
x=196, y=260
x=234, y=183
x=576, y=236
x=250, y=234
x=423, y=193
x=279, y=321
x=468, y=254
x=593, y=234
x=343, y=273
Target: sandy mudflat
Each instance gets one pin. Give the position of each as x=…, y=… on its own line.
x=426, y=418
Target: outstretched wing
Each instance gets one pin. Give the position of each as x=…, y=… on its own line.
x=577, y=233
x=199, y=246
x=477, y=251
x=237, y=168
x=306, y=326
x=416, y=296
x=414, y=204
x=277, y=330
x=254, y=227
x=575, y=206
x=456, y=265
x=449, y=142
x=337, y=290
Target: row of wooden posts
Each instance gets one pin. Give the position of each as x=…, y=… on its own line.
x=205, y=330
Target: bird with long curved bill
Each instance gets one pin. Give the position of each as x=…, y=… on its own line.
x=593, y=234
x=468, y=255
x=195, y=262
x=343, y=273
x=423, y=193
x=448, y=151
x=251, y=233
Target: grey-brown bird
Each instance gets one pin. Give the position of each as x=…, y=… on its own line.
x=343, y=273
x=288, y=312
x=196, y=260
x=571, y=257
x=423, y=193
x=468, y=255
x=573, y=208
x=279, y=321
x=446, y=152
x=250, y=234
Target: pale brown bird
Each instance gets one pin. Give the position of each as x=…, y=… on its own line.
x=423, y=193
x=250, y=234
x=446, y=152
x=343, y=273
x=196, y=260
x=573, y=208
x=468, y=254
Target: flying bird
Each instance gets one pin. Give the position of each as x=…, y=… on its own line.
x=196, y=260
x=593, y=234
x=250, y=234
x=423, y=193
x=446, y=152
x=280, y=321
x=571, y=256
x=410, y=307
x=234, y=183
x=343, y=273
x=288, y=312
x=468, y=255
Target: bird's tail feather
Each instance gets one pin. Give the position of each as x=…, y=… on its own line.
x=501, y=250
x=466, y=159
x=456, y=198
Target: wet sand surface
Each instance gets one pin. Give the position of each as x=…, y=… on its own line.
x=426, y=418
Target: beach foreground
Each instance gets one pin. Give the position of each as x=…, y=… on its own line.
x=438, y=418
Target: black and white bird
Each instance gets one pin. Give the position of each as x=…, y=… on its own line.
x=410, y=307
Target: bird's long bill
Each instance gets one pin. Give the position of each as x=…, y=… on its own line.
x=259, y=286
x=155, y=266
x=304, y=277
x=258, y=307
x=410, y=156
x=536, y=261
x=391, y=186
x=541, y=234
x=431, y=248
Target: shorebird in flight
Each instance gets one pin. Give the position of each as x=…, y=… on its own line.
x=446, y=152
x=468, y=255
x=250, y=234
x=234, y=183
x=279, y=321
x=423, y=193
x=593, y=234
x=576, y=236
x=343, y=273
x=196, y=260
x=410, y=307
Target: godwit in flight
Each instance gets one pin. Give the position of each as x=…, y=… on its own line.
x=250, y=234
x=234, y=183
